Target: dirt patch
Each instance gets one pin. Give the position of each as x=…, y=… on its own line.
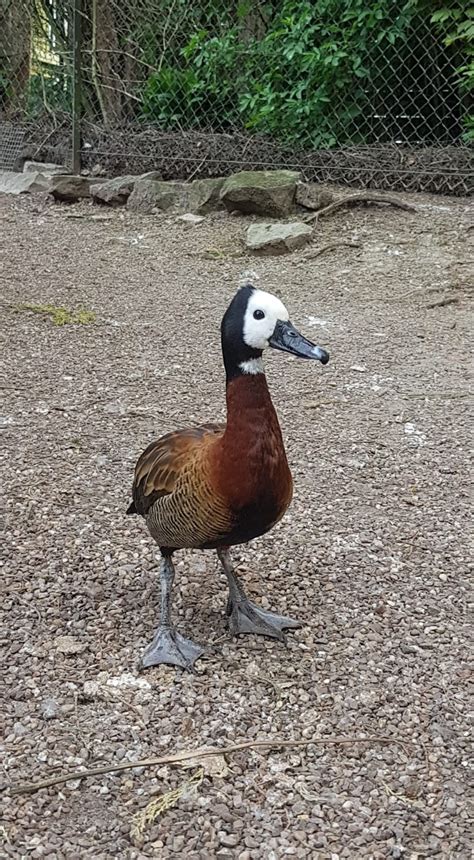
x=372, y=556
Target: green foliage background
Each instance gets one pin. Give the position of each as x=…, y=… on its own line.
x=310, y=73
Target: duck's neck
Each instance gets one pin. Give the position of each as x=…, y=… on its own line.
x=251, y=466
x=251, y=416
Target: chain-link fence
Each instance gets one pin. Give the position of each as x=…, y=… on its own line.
x=368, y=93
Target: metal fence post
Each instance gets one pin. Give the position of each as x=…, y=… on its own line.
x=76, y=84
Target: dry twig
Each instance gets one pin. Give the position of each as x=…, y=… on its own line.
x=176, y=758
x=446, y=300
x=359, y=198
x=331, y=247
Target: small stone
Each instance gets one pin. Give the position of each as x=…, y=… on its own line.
x=191, y=219
x=69, y=645
x=49, y=709
x=230, y=840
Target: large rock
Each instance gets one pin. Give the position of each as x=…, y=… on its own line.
x=150, y=194
x=70, y=188
x=22, y=183
x=277, y=238
x=266, y=192
x=204, y=196
x=114, y=192
x=175, y=198
x=45, y=167
x=312, y=197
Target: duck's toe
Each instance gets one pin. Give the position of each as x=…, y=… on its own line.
x=247, y=617
x=171, y=648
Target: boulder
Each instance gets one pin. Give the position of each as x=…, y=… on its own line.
x=113, y=192
x=69, y=188
x=273, y=238
x=21, y=183
x=150, y=194
x=204, y=196
x=198, y=197
x=45, y=167
x=266, y=192
x=312, y=197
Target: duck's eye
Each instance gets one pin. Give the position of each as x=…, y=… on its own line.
x=258, y=315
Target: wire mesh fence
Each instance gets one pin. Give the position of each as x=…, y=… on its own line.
x=376, y=94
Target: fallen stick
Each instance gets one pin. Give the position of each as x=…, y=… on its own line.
x=30, y=787
x=331, y=247
x=359, y=198
x=446, y=300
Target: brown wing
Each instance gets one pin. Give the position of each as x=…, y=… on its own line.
x=161, y=464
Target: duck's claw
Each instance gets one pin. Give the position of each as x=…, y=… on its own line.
x=171, y=648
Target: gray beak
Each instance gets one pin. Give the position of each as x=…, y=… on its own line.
x=287, y=338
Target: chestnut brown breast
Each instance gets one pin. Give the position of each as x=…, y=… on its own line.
x=216, y=485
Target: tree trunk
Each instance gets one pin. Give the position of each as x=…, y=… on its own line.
x=106, y=62
x=15, y=44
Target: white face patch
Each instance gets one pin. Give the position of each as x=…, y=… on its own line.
x=261, y=316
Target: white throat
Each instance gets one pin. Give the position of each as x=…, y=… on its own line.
x=253, y=366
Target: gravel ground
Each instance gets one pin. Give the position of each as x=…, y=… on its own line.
x=373, y=555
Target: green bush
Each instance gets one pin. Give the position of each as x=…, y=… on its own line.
x=317, y=76
x=456, y=21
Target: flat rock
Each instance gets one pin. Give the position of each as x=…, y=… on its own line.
x=265, y=192
x=277, y=238
x=191, y=219
x=45, y=167
x=312, y=197
x=69, y=188
x=22, y=183
x=113, y=192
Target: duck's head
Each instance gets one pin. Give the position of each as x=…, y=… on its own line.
x=254, y=321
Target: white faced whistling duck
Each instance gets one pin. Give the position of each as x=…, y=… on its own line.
x=215, y=486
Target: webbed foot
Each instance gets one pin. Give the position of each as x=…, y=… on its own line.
x=171, y=648
x=247, y=617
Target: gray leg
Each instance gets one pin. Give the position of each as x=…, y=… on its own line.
x=168, y=645
x=245, y=616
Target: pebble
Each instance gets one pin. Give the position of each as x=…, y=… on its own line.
x=49, y=708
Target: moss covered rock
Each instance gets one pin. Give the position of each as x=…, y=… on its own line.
x=262, y=192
